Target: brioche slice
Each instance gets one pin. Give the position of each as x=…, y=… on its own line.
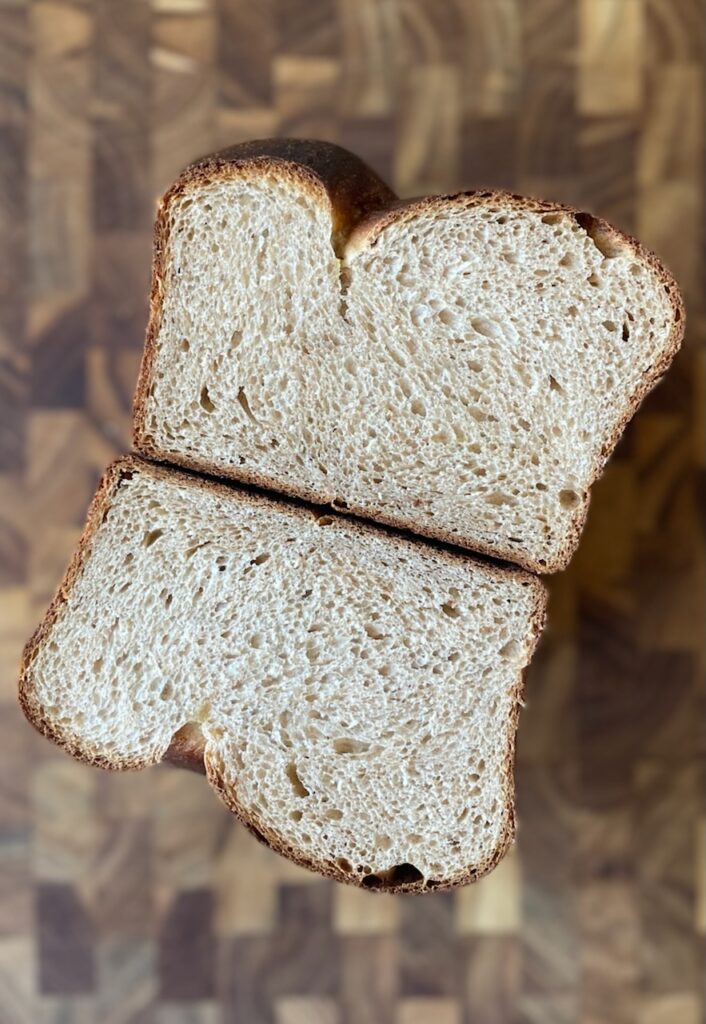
x=352, y=695
x=461, y=366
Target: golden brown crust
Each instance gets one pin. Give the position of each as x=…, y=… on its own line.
x=189, y=748
x=362, y=207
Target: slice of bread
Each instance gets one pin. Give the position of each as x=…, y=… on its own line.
x=352, y=695
x=461, y=366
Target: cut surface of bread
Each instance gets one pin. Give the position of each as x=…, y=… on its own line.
x=353, y=695
x=461, y=366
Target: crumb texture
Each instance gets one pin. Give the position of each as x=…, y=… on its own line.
x=356, y=692
x=462, y=374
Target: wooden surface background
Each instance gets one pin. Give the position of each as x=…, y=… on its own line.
x=136, y=899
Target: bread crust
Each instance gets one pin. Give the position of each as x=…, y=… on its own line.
x=362, y=207
x=189, y=748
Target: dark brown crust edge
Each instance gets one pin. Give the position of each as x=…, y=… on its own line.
x=188, y=749
x=362, y=207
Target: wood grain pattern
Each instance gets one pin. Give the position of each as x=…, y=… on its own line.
x=136, y=899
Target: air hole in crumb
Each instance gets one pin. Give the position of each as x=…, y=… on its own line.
x=609, y=325
x=297, y=784
x=166, y=692
x=194, y=548
x=418, y=408
x=383, y=842
x=150, y=537
x=541, y=487
x=261, y=558
x=373, y=632
x=400, y=874
x=184, y=345
x=510, y=651
x=235, y=339
x=205, y=400
x=488, y=328
x=347, y=745
x=604, y=240
x=552, y=218
x=567, y=260
x=594, y=280
x=242, y=400
x=343, y=864
x=626, y=331
x=568, y=499
x=499, y=498
x=451, y=610
x=333, y=814
x=296, y=815
x=554, y=384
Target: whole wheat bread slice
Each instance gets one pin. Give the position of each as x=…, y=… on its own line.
x=461, y=366
x=352, y=695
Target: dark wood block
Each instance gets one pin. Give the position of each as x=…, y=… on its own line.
x=122, y=74
x=58, y=367
x=369, y=978
x=296, y=960
x=119, y=310
x=187, y=949
x=547, y=138
x=489, y=152
x=370, y=138
x=305, y=907
x=608, y=698
x=607, y=155
x=550, y=29
x=246, y=46
x=66, y=942
x=121, y=185
x=432, y=958
x=307, y=29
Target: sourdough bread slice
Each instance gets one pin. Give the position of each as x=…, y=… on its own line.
x=352, y=695
x=461, y=366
